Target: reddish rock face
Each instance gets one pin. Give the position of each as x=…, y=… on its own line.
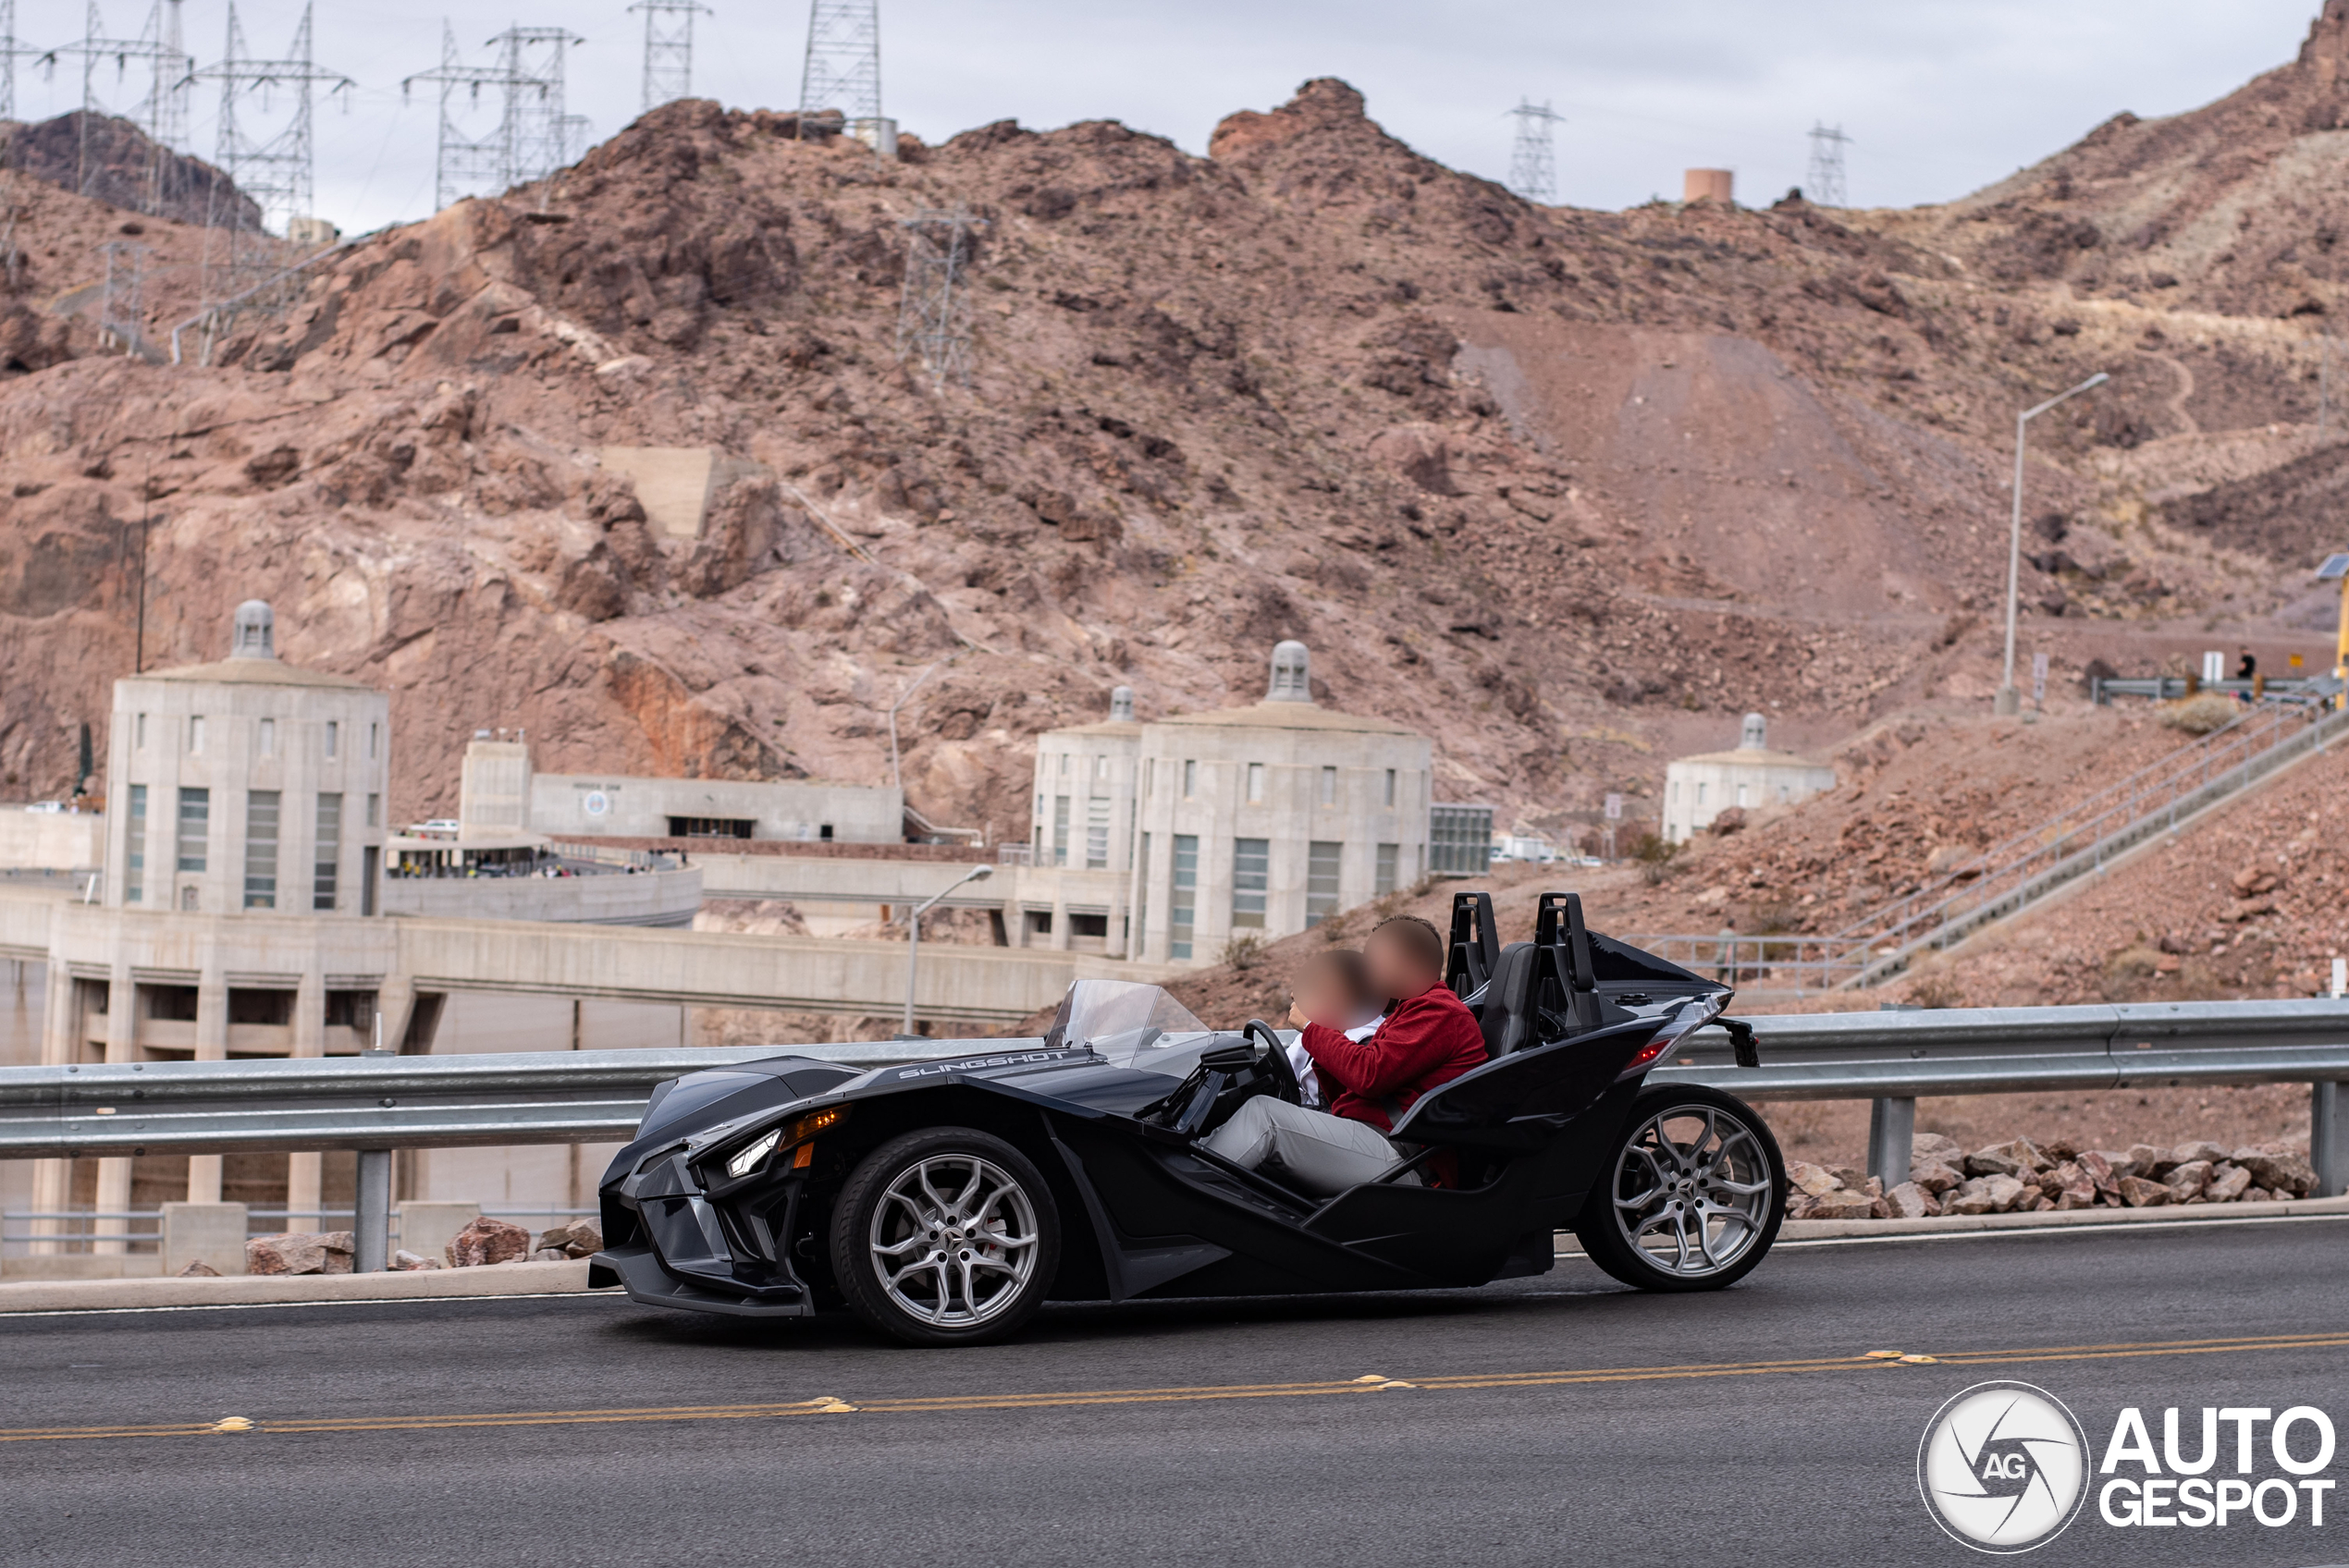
x=1565, y=490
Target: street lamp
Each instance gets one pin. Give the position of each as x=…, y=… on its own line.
x=2010, y=700
x=914, y=935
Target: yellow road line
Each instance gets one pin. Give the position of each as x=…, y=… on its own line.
x=1201, y=1393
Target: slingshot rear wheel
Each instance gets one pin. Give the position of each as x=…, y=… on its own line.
x=1694, y=1194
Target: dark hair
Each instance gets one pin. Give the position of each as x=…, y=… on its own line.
x=1352, y=971
x=1419, y=939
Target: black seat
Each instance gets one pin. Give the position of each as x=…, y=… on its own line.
x=1568, y=986
x=1508, y=1020
x=1475, y=947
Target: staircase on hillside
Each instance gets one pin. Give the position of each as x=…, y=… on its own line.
x=2021, y=869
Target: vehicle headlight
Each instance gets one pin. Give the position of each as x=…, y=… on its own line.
x=742, y=1163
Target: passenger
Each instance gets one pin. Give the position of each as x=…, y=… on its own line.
x=1428, y=1038
x=1332, y=989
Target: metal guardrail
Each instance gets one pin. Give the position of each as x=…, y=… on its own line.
x=2169, y=687
x=2022, y=868
x=377, y=1103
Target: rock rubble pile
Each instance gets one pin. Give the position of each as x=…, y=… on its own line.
x=2024, y=1177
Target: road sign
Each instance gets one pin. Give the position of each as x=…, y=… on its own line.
x=2335, y=567
x=1615, y=808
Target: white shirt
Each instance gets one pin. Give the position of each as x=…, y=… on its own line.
x=1309, y=1083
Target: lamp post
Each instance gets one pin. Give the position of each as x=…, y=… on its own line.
x=2010, y=701
x=914, y=935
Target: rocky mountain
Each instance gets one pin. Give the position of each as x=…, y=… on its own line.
x=1568, y=490
x=111, y=160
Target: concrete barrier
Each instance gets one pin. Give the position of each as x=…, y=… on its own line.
x=209, y=1233
x=426, y=1229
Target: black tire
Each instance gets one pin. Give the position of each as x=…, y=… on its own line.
x=992, y=1246
x=1651, y=1192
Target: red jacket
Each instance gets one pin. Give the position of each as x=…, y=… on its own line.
x=1430, y=1039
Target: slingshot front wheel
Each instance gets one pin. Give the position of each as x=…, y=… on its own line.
x=947, y=1236
x=1694, y=1194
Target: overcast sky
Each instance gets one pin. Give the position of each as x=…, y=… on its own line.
x=1939, y=96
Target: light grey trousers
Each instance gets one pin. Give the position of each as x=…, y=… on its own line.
x=1323, y=1153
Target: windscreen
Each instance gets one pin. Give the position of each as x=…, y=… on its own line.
x=1124, y=1020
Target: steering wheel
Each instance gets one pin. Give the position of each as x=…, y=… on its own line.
x=1274, y=1062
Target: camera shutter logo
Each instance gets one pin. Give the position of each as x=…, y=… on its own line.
x=2003, y=1467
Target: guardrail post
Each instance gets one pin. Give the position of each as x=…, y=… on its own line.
x=2328, y=1150
x=1892, y=1125
x=371, y=1253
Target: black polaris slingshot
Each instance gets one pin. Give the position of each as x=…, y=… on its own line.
x=943, y=1202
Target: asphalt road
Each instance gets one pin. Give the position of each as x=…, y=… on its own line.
x=1547, y=1423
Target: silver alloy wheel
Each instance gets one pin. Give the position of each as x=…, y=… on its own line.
x=954, y=1240
x=1692, y=1190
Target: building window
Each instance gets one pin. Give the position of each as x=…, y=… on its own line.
x=1700, y=792
x=1673, y=791
x=1741, y=794
x=1390, y=787
x=1141, y=901
x=138, y=732
x=1064, y=765
x=134, y=846
x=261, y=849
x=1321, y=880
x=1191, y=781
x=195, y=734
x=334, y=739
x=268, y=737
x=1382, y=879
x=1459, y=840
x=328, y=854
x=1059, y=829
x=710, y=827
x=1329, y=785
x=1180, y=907
x=1097, y=833
x=195, y=825
x=1252, y=865
x=374, y=811
x=1100, y=768
x=371, y=746
x=1255, y=783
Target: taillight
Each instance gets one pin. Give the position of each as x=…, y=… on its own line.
x=1647, y=1054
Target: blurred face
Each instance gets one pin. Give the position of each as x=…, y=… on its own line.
x=1395, y=970
x=1323, y=996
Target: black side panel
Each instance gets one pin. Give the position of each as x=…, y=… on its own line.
x=1621, y=963
x=1523, y=1100
x=1160, y=1200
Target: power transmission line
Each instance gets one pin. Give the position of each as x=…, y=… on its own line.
x=669, y=49
x=1824, y=183
x=12, y=49
x=273, y=172
x=167, y=65
x=533, y=137
x=843, y=67
x=933, y=316
x=1533, y=163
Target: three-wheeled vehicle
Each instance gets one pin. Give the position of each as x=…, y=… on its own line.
x=944, y=1201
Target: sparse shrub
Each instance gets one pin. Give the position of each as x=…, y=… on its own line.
x=1245, y=951
x=1655, y=855
x=2201, y=714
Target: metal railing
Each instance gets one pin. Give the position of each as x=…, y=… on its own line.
x=272, y=294
x=2300, y=688
x=377, y=1103
x=2021, y=869
x=141, y=1229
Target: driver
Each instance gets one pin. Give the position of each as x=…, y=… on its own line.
x=1429, y=1038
